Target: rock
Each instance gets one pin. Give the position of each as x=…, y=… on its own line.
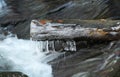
x=12, y=74
x=114, y=9
x=91, y=62
x=19, y=15
x=22, y=30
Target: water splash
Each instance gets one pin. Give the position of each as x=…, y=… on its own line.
x=24, y=56
x=3, y=8
x=2, y=4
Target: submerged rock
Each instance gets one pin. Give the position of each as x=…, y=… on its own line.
x=12, y=74
x=20, y=13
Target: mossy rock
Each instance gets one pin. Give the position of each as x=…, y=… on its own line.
x=12, y=74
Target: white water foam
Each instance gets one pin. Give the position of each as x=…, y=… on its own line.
x=3, y=8
x=2, y=4
x=25, y=56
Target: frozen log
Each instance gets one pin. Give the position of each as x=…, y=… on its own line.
x=61, y=30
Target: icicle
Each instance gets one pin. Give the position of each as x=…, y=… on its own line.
x=73, y=46
x=70, y=45
x=47, y=46
x=51, y=46
x=67, y=46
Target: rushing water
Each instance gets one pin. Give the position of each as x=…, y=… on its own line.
x=3, y=8
x=2, y=4
x=24, y=56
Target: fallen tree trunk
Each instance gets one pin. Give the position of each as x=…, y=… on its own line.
x=49, y=30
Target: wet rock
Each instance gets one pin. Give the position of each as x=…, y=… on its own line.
x=12, y=74
x=86, y=9
x=80, y=9
x=21, y=12
x=114, y=9
x=22, y=30
x=90, y=62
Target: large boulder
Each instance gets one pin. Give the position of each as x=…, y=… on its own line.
x=12, y=74
x=20, y=13
x=94, y=61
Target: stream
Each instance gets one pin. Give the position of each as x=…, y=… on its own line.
x=22, y=55
x=26, y=56
x=3, y=8
x=54, y=58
